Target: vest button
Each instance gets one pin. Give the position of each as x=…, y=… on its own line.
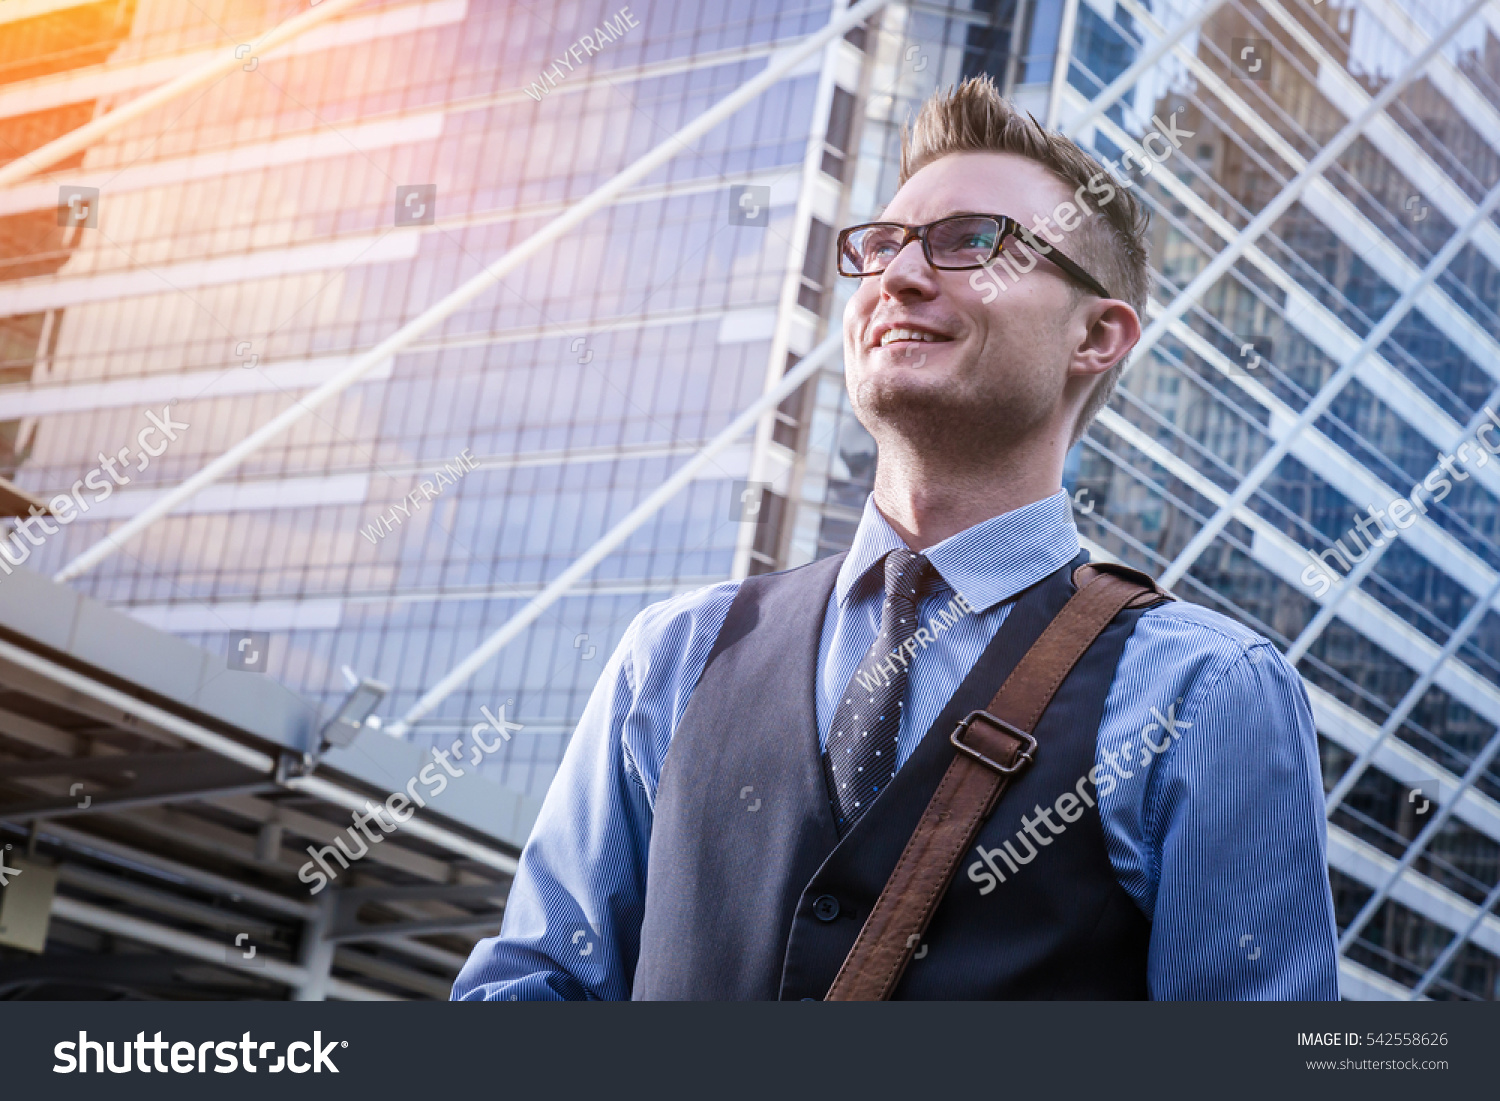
x=825, y=907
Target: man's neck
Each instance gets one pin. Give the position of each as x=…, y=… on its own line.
x=925, y=507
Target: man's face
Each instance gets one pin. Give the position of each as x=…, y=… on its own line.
x=963, y=365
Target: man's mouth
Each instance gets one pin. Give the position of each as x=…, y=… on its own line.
x=914, y=336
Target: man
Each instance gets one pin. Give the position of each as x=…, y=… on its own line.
x=726, y=814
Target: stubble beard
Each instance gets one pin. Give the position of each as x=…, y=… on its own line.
x=966, y=422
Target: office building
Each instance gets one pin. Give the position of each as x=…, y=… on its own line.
x=235, y=249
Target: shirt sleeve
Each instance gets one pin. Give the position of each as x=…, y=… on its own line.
x=1235, y=819
x=572, y=922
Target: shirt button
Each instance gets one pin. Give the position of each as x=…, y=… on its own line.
x=825, y=907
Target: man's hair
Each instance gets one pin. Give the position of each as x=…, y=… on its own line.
x=1110, y=243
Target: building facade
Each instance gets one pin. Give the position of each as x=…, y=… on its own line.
x=217, y=258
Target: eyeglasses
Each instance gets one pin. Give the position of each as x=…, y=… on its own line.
x=959, y=243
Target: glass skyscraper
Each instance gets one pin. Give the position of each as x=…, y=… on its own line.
x=227, y=252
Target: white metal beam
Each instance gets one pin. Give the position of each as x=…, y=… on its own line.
x=1324, y=329
x=1416, y=847
x=1373, y=555
x=1339, y=213
x=1440, y=905
x=1412, y=697
x=1402, y=151
x=1164, y=44
x=1330, y=389
x=804, y=370
x=455, y=300
x=1339, y=723
x=1062, y=60
x=1467, y=100
x=1277, y=552
x=1346, y=474
x=117, y=79
x=426, y=831
x=1401, y=761
x=199, y=948
x=1463, y=937
x=251, y=758
x=1360, y=984
x=1294, y=189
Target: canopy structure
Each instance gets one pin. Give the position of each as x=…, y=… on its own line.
x=157, y=808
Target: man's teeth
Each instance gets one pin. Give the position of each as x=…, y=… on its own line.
x=908, y=334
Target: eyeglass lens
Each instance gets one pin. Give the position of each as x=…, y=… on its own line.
x=954, y=242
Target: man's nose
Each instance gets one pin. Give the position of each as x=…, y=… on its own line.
x=909, y=273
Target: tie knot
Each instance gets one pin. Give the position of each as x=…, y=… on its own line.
x=907, y=574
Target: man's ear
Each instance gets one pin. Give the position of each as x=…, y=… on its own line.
x=1113, y=329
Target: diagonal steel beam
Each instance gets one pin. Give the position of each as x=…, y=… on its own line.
x=460, y=296
x=805, y=369
x=1377, y=336
x=1372, y=556
x=1419, y=845
x=1440, y=964
x=1414, y=694
x=1149, y=57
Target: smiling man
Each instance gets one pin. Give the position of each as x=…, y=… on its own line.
x=769, y=770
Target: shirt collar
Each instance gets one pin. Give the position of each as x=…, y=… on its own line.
x=986, y=564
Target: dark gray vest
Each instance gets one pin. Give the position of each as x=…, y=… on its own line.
x=750, y=894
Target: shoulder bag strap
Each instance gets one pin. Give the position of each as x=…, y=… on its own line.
x=992, y=747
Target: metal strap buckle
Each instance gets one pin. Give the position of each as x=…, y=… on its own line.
x=1023, y=759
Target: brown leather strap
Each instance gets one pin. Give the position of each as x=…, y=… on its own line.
x=992, y=746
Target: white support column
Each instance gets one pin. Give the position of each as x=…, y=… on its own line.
x=1061, y=61
x=790, y=336
x=315, y=953
x=1018, y=34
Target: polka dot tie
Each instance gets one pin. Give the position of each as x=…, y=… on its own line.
x=860, y=758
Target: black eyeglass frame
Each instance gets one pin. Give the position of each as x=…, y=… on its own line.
x=1008, y=227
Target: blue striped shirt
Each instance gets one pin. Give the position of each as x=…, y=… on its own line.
x=1214, y=824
